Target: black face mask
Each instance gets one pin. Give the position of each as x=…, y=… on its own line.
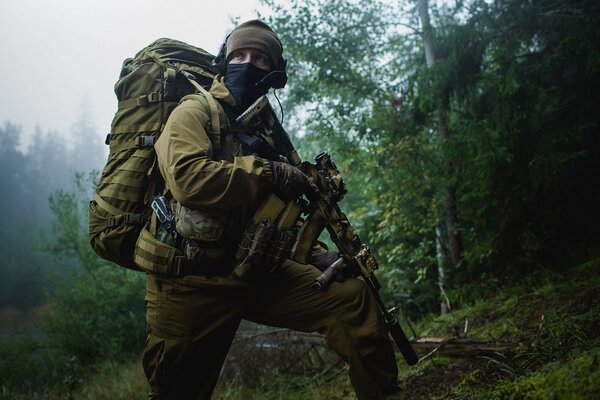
x=246, y=83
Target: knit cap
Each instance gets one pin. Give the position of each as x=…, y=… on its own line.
x=255, y=34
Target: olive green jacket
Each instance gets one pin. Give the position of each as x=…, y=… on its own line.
x=198, y=175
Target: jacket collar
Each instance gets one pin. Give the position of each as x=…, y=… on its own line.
x=220, y=92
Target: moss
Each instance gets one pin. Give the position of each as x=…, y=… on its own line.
x=578, y=378
x=553, y=321
x=470, y=380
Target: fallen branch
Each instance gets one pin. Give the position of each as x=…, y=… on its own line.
x=453, y=346
x=459, y=347
x=286, y=334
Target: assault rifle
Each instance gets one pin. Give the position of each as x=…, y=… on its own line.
x=324, y=213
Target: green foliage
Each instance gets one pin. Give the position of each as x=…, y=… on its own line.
x=276, y=386
x=94, y=314
x=99, y=316
x=579, y=378
x=20, y=360
x=516, y=80
x=21, y=273
x=551, y=320
x=68, y=238
x=118, y=381
x=29, y=175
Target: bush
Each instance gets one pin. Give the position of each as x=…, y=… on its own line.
x=98, y=317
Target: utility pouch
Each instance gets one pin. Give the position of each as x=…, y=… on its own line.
x=252, y=250
x=152, y=255
x=286, y=233
x=202, y=225
x=282, y=247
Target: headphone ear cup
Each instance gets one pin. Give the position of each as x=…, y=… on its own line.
x=281, y=79
x=282, y=65
x=219, y=61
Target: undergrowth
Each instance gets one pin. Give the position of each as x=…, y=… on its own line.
x=552, y=323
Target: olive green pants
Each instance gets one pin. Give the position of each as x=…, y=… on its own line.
x=193, y=320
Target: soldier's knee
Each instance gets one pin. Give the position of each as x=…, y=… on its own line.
x=353, y=290
x=356, y=301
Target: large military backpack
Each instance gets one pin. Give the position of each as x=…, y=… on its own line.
x=149, y=87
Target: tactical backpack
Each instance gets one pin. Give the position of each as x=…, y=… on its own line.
x=149, y=87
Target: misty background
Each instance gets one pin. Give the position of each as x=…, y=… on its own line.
x=466, y=133
x=61, y=59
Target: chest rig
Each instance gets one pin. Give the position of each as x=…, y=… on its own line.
x=270, y=235
x=248, y=240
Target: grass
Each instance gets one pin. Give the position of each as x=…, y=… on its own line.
x=115, y=382
x=552, y=320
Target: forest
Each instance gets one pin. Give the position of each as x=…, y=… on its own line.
x=467, y=133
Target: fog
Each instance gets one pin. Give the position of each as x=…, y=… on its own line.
x=58, y=55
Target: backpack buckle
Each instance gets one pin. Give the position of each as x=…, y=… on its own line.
x=131, y=218
x=188, y=75
x=112, y=221
x=179, y=266
x=153, y=97
x=145, y=141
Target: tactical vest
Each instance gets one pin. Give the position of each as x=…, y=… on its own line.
x=211, y=241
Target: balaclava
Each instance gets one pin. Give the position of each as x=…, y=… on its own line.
x=247, y=82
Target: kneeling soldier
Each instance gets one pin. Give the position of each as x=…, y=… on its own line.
x=216, y=186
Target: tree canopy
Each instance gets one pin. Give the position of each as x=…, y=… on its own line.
x=514, y=82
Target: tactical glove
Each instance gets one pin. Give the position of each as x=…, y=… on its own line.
x=289, y=182
x=324, y=260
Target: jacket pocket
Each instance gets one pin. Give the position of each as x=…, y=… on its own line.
x=203, y=225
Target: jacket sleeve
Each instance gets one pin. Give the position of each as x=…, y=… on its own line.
x=184, y=153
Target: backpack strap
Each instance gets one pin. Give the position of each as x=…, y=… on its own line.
x=215, y=124
x=143, y=100
x=117, y=217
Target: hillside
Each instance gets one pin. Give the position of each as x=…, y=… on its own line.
x=553, y=323
x=550, y=321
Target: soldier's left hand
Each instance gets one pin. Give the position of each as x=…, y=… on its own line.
x=324, y=260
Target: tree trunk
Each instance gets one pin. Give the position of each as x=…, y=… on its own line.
x=441, y=259
x=454, y=239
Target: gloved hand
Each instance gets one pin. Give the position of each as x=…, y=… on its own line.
x=289, y=182
x=324, y=260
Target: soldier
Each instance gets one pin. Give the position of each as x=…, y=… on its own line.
x=215, y=187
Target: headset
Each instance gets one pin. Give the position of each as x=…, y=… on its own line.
x=276, y=78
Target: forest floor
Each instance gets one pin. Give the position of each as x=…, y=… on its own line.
x=552, y=323
x=548, y=322
x=547, y=328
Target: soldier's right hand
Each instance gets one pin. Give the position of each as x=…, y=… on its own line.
x=289, y=182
